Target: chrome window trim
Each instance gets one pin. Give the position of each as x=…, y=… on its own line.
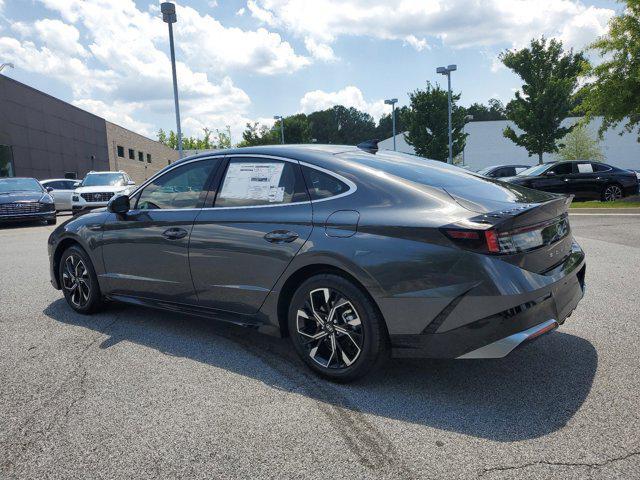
x=352, y=186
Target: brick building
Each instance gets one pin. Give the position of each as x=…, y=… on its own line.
x=44, y=137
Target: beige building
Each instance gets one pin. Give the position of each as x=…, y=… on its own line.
x=137, y=155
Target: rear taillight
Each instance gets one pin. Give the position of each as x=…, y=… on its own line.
x=518, y=240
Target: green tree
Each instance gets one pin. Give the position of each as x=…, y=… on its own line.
x=493, y=111
x=385, y=124
x=578, y=144
x=296, y=129
x=428, y=123
x=550, y=79
x=341, y=125
x=258, y=134
x=614, y=92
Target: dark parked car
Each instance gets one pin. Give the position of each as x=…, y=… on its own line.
x=23, y=199
x=501, y=171
x=585, y=180
x=354, y=255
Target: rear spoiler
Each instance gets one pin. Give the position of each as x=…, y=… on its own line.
x=528, y=214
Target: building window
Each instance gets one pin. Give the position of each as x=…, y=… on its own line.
x=132, y=154
x=148, y=158
x=6, y=161
x=120, y=151
x=141, y=156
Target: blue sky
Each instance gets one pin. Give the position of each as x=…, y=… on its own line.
x=247, y=60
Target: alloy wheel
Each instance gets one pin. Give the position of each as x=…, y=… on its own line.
x=75, y=280
x=612, y=192
x=330, y=329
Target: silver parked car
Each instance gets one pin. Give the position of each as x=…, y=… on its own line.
x=61, y=191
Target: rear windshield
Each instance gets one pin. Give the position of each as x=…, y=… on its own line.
x=418, y=169
x=19, y=185
x=485, y=193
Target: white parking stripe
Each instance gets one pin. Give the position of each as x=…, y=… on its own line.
x=606, y=214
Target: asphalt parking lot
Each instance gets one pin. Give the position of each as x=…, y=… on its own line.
x=136, y=393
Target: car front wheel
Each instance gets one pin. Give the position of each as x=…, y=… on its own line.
x=79, y=282
x=336, y=329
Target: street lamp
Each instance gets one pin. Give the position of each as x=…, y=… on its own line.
x=447, y=71
x=10, y=65
x=467, y=119
x=169, y=16
x=393, y=102
x=278, y=117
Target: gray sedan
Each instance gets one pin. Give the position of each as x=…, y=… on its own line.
x=354, y=254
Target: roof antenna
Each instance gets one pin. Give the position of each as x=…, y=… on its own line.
x=370, y=146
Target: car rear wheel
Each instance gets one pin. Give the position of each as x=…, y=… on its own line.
x=79, y=282
x=612, y=192
x=336, y=329
x=53, y=221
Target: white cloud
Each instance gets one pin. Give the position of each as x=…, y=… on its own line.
x=212, y=3
x=207, y=44
x=456, y=23
x=240, y=11
x=321, y=51
x=117, y=113
x=114, y=58
x=60, y=36
x=349, y=97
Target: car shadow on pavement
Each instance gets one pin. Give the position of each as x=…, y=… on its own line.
x=533, y=392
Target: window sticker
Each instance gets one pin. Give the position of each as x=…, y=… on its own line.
x=585, y=168
x=254, y=181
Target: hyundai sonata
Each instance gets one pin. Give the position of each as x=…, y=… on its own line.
x=356, y=255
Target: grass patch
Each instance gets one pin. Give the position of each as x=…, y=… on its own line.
x=597, y=204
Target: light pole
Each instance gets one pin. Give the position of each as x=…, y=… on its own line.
x=169, y=16
x=467, y=119
x=279, y=117
x=10, y=65
x=393, y=102
x=447, y=71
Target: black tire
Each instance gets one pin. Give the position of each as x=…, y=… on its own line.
x=357, y=335
x=79, y=281
x=53, y=221
x=611, y=192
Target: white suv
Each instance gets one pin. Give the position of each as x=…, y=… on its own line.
x=97, y=188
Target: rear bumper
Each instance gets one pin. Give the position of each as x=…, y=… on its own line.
x=497, y=335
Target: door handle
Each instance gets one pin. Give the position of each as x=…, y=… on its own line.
x=174, y=233
x=281, y=236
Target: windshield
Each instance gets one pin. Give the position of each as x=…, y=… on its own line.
x=103, y=179
x=19, y=185
x=534, y=171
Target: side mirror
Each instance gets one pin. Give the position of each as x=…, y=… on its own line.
x=119, y=204
x=77, y=184
x=131, y=183
x=49, y=189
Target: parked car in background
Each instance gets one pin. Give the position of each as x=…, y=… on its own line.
x=501, y=171
x=97, y=188
x=24, y=199
x=61, y=191
x=353, y=254
x=584, y=179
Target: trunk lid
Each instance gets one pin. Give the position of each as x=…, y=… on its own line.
x=527, y=214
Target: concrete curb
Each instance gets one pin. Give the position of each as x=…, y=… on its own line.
x=608, y=211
